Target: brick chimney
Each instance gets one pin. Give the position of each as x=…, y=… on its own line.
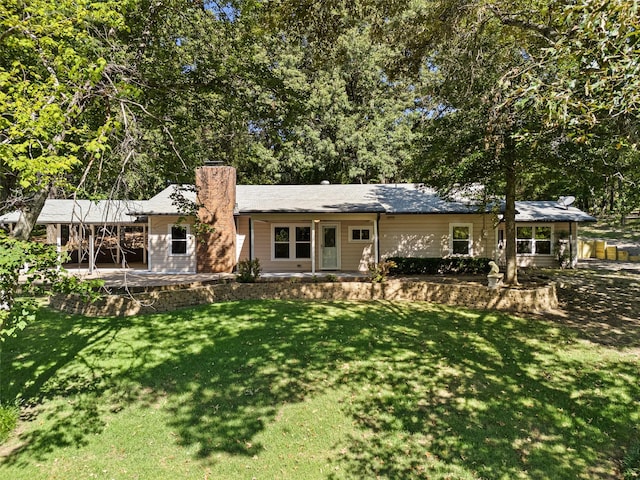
x=216, y=189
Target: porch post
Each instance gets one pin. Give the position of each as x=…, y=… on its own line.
x=58, y=238
x=376, y=240
x=144, y=245
x=92, y=249
x=251, y=239
x=118, y=245
x=80, y=237
x=313, y=247
x=148, y=243
x=571, y=245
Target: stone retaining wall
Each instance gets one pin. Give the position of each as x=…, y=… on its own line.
x=537, y=299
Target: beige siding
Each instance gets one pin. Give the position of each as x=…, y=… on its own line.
x=160, y=259
x=244, y=240
x=356, y=256
x=429, y=235
x=353, y=256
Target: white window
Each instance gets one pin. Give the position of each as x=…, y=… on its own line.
x=291, y=242
x=460, y=238
x=178, y=239
x=533, y=240
x=360, y=235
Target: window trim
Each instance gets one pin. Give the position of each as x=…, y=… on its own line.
x=533, y=241
x=292, y=242
x=187, y=229
x=361, y=228
x=469, y=241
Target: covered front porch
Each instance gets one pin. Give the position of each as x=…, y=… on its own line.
x=310, y=244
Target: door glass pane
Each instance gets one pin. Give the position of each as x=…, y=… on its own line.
x=329, y=237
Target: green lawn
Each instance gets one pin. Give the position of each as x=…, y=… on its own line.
x=307, y=390
x=611, y=230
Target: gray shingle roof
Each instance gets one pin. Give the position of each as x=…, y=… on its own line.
x=549, y=211
x=252, y=199
x=356, y=198
x=82, y=211
x=164, y=203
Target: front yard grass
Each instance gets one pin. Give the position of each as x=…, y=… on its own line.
x=310, y=390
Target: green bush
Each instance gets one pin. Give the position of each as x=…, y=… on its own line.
x=8, y=421
x=378, y=272
x=631, y=463
x=249, y=270
x=435, y=266
x=28, y=270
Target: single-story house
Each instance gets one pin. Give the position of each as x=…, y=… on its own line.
x=309, y=228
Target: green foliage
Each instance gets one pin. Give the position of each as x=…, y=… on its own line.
x=585, y=83
x=51, y=67
x=631, y=463
x=436, y=266
x=378, y=272
x=594, y=61
x=249, y=270
x=29, y=270
x=8, y=420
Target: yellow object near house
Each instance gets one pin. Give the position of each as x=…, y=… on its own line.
x=601, y=247
x=623, y=255
x=586, y=249
x=612, y=253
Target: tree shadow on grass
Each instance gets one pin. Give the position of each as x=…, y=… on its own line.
x=48, y=362
x=500, y=403
x=432, y=390
x=601, y=306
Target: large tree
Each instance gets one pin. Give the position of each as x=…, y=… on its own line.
x=587, y=84
x=471, y=54
x=117, y=98
x=52, y=72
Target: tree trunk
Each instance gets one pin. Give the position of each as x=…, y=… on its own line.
x=29, y=215
x=510, y=220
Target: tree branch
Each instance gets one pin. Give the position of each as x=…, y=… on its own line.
x=518, y=21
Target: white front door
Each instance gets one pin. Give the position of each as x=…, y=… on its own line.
x=329, y=247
